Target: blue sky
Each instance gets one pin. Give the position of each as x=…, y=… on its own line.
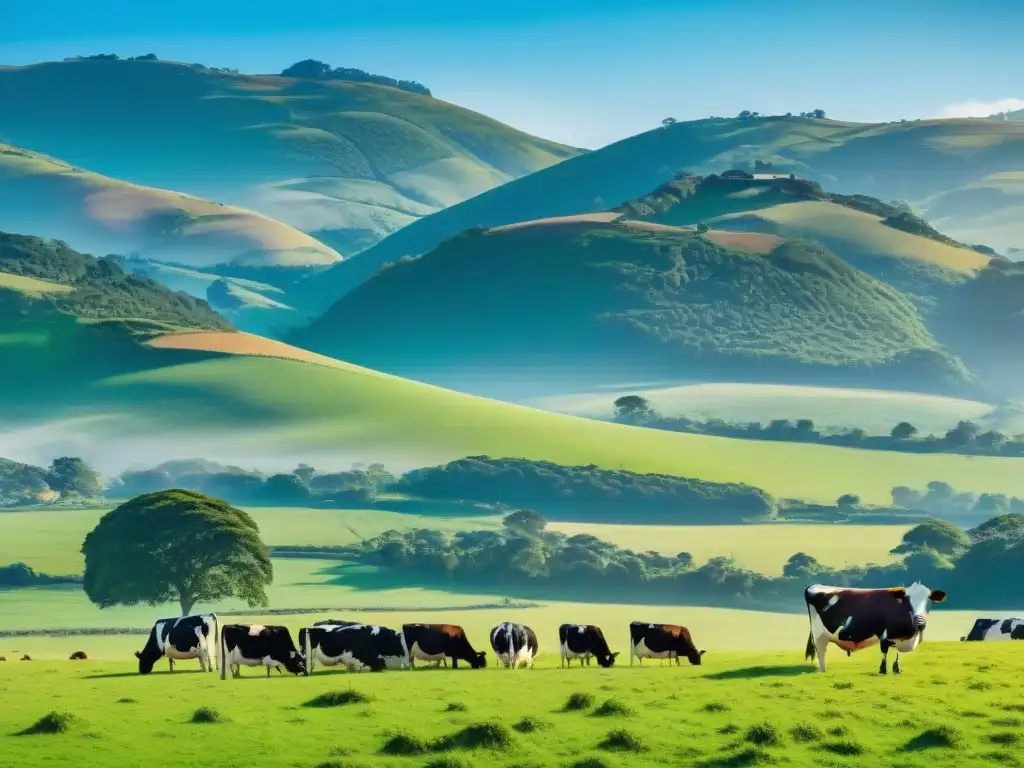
x=586, y=72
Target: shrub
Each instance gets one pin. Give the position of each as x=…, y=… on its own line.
x=339, y=699
x=479, y=735
x=579, y=701
x=54, y=722
x=614, y=708
x=208, y=715
x=622, y=740
x=404, y=744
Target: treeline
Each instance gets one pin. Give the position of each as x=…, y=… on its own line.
x=103, y=290
x=965, y=438
x=20, y=575
x=68, y=478
x=588, y=492
x=302, y=486
x=311, y=69
x=983, y=567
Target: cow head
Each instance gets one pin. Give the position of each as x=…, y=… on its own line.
x=695, y=657
x=608, y=660
x=146, y=662
x=920, y=598
x=295, y=663
x=478, y=660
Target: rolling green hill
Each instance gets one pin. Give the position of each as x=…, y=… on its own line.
x=990, y=210
x=129, y=363
x=622, y=300
x=53, y=199
x=913, y=161
x=343, y=161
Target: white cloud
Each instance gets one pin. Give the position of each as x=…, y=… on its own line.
x=982, y=108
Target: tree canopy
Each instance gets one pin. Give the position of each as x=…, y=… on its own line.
x=175, y=545
x=69, y=475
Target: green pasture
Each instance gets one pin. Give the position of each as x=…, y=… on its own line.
x=873, y=410
x=286, y=408
x=954, y=704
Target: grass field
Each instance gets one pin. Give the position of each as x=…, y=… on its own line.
x=103, y=215
x=954, y=704
x=875, y=411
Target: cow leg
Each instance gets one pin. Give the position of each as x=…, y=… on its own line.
x=884, y=645
x=896, y=664
x=820, y=648
x=170, y=663
x=455, y=662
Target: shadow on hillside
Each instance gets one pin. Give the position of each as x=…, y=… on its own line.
x=747, y=673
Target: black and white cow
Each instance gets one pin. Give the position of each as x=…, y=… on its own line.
x=356, y=646
x=515, y=645
x=583, y=642
x=325, y=623
x=661, y=641
x=258, y=646
x=996, y=629
x=438, y=642
x=858, y=618
x=187, y=637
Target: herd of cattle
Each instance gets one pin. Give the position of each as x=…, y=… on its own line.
x=852, y=619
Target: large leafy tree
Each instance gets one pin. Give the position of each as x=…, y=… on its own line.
x=175, y=545
x=69, y=475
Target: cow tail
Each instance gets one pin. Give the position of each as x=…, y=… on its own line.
x=223, y=656
x=307, y=648
x=216, y=635
x=810, y=650
x=511, y=646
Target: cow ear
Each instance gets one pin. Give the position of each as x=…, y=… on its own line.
x=615, y=655
x=702, y=653
x=938, y=596
x=138, y=655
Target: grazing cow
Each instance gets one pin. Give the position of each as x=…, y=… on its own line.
x=583, y=642
x=357, y=646
x=859, y=618
x=661, y=641
x=996, y=629
x=439, y=642
x=187, y=637
x=515, y=645
x=78, y=656
x=258, y=646
x=325, y=623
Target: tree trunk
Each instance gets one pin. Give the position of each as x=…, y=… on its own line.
x=186, y=603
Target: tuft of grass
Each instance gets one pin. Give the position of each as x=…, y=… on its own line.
x=623, y=741
x=725, y=730
x=741, y=759
x=54, y=722
x=208, y=715
x=590, y=762
x=764, y=734
x=845, y=747
x=945, y=736
x=842, y=685
x=127, y=700
x=1007, y=722
x=447, y=761
x=979, y=685
x=614, y=708
x=578, y=701
x=455, y=706
x=338, y=764
x=1005, y=738
x=404, y=744
x=716, y=706
x=338, y=699
x=494, y=736
x=529, y=724
x=806, y=732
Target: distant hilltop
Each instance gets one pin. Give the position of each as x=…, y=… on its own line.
x=307, y=69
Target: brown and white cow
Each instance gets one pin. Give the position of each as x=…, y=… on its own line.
x=661, y=641
x=439, y=642
x=858, y=618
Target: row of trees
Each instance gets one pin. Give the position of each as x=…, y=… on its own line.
x=965, y=437
x=311, y=69
x=983, y=567
x=67, y=478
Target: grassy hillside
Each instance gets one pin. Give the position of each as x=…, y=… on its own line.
x=635, y=300
x=913, y=161
x=53, y=199
x=346, y=162
x=989, y=210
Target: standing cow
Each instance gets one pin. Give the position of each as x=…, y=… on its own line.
x=584, y=642
x=258, y=646
x=515, y=645
x=859, y=618
x=438, y=642
x=357, y=646
x=996, y=629
x=187, y=637
x=661, y=641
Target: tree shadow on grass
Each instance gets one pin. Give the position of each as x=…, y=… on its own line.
x=747, y=673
